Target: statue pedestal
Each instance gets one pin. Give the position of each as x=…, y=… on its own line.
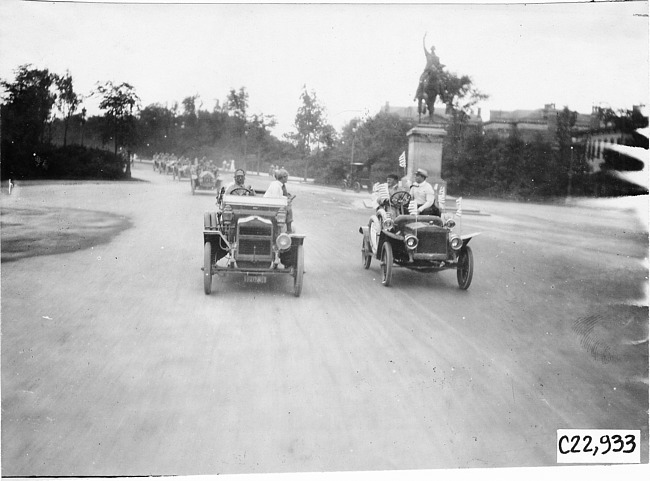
x=425, y=150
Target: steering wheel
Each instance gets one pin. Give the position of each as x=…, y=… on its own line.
x=400, y=199
x=241, y=191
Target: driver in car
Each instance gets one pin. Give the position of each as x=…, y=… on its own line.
x=392, y=182
x=384, y=194
x=239, y=183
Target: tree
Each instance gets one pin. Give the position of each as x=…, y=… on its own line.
x=189, y=110
x=237, y=103
x=309, y=123
x=379, y=141
x=259, y=133
x=154, y=127
x=28, y=106
x=67, y=101
x=237, y=106
x=119, y=101
x=565, y=157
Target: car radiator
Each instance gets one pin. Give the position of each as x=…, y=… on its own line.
x=255, y=241
x=432, y=243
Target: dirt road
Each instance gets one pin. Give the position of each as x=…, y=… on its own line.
x=114, y=361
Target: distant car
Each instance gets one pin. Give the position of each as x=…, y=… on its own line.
x=181, y=170
x=358, y=177
x=248, y=235
x=424, y=243
x=204, y=181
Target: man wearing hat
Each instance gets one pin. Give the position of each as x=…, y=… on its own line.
x=240, y=178
x=278, y=189
x=423, y=194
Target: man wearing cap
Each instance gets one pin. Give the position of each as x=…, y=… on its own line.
x=278, y=189
x=240, y=178
x=423, y=194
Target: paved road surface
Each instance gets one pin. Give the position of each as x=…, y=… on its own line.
x=114, y=361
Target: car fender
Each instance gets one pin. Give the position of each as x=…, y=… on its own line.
x=468, y=237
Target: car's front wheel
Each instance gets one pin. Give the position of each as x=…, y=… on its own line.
x=465, y=269
x=386, y=263
x=299, y=270
x=207, y=268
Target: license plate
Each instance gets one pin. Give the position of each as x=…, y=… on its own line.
x=255, y=279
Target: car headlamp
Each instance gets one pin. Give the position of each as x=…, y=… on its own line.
x=451, y=223
x=281, y=217
x=388, y=224
x=283, y=242
x=456, y=242
x=411, y=241
x=227, y=214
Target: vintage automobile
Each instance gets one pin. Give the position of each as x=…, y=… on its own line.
x=181, y=170
x=205, y=180
x=358, y=177
x=424, y=243
x=248, y=235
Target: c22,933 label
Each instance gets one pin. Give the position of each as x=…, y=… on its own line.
x=599, y=446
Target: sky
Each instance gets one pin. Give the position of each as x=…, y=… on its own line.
x=354, y=57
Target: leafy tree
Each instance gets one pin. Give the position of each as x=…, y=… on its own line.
x=154, y=125
x=237, y=107
x=379, y=141
x=28, y=105
x=237, y=103
x=190, y=111
x=309, y=124
x=562, y=162
x=67, y=101
x=259, y=134
x=624, y=120
x=119, y=102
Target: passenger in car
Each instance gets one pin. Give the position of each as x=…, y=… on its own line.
x=277, y=189
x=423, y=194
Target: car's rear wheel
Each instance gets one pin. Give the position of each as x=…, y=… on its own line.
x=299, y=270
x=344, y=185
x=357, y=187
x=465, y=269
x=207, y=268
x=366, y=256
x=386, y=263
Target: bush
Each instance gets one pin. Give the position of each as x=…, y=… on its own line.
x=70, y=162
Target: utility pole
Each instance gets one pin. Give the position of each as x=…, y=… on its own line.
x=568, y=189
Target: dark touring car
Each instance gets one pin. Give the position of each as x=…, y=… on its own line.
x=424, y=243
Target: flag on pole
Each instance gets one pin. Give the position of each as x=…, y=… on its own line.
x=413, y=208
x=381, y=191
x=459, y=208
x=402, y=159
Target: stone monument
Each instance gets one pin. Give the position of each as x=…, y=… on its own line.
x=425, y=152
x=425, y=140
